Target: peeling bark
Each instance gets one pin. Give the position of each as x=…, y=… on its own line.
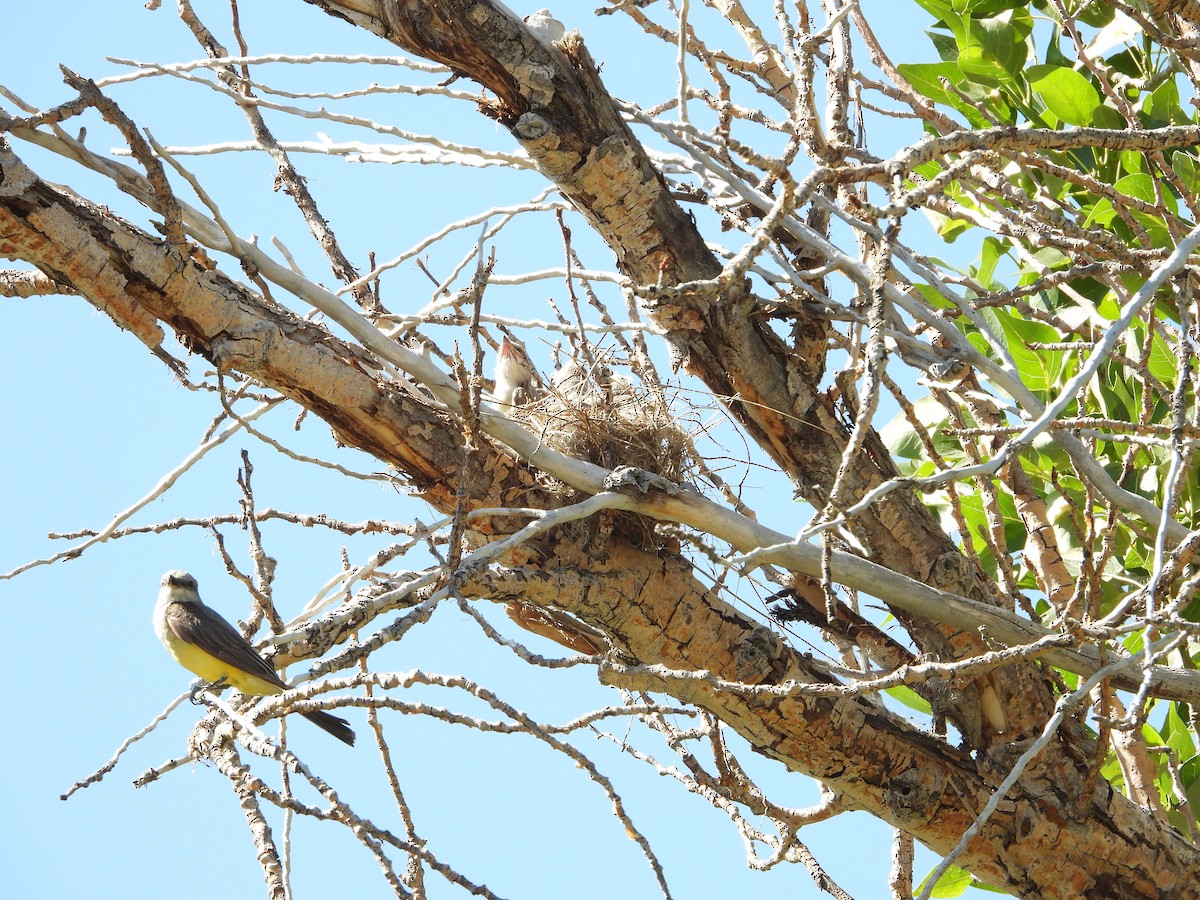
x=1049, y=838
x=1058, y=833
x=552, y=100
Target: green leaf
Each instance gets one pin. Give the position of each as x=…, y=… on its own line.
x=1101, y=213
x=1137, y=559
x=1133, y=162
x=995, y=47
x=1151, y=735
x=1178, y=733
x=1189, y=774
x=952, y=883
x=1054, y=54
x=993, y=250
x=1115, y=398
x=1162, y=362
x=1096, y=14
x=1041, y=370
x=902, y=439
x=947, y=228
x=944, y=45
x=1187, y=169
x=927, y=79
x=910, y=698
x=939, y=9
x=1155, y=227
x=1052, y=258
x=1161, y=108
x=1015, y=533
x=1107, y=117
x=980, y=8
x=1066, y=93
x=1139, y=186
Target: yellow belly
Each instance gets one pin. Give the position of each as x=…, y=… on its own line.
x=210, y=668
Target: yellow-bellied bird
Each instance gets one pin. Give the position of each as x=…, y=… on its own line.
x=204, y=643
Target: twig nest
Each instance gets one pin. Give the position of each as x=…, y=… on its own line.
x=590, y=413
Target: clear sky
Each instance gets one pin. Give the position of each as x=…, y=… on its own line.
x=93, y=423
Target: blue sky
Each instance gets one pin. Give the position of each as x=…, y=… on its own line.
x=95, y=421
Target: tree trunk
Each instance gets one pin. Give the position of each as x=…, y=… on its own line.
x=1058, y=832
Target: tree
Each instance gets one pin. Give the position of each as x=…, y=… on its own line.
x=1027, y=518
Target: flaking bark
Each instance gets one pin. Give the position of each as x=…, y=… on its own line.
x=554, y=103
x=1048, y=839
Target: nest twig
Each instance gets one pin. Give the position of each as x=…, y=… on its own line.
x=592, y=414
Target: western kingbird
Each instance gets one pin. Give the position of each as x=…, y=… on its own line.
x=204, y=643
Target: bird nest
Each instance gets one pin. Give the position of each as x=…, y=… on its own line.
x=594, y=415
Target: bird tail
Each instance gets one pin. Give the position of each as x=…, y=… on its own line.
x=339, y=728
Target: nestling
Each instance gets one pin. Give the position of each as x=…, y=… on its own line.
x=515, y=377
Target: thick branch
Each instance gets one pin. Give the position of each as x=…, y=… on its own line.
x=652, y=605
x=551, y=98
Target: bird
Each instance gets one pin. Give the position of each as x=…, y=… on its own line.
x=593, y=387
x=515, y=377
x=205, y=644
x=570, y=378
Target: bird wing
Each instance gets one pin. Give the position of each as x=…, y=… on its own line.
x=199, y=625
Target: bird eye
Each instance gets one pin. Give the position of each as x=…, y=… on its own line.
x=180, y=579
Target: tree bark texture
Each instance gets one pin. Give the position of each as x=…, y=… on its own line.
x=552, y=100
x=1057, y=834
